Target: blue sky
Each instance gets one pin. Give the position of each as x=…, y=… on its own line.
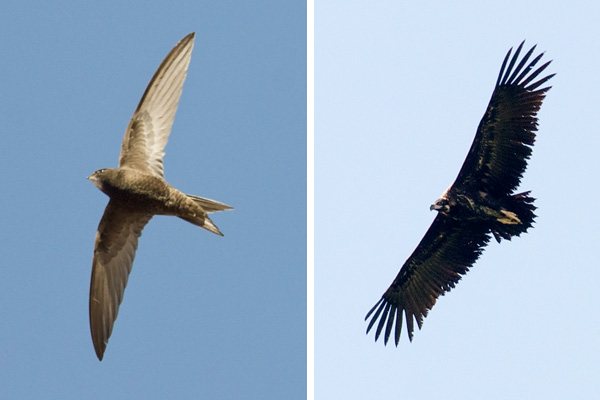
x=400, y=88
x=203, y=316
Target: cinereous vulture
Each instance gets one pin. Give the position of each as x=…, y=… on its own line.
x=480, y=203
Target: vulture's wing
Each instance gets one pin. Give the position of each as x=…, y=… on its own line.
x=446, y=252
x=499, y=153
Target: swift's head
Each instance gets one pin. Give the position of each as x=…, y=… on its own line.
x=99, y=177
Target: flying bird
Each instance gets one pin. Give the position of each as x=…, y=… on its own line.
x=137, y=190
x=478, y=205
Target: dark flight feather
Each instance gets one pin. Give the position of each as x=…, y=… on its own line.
x=502, y=145
x=494, y=165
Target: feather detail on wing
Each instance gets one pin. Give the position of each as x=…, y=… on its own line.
x=149, y=128
x=499, y=153
x=114, y=251
x=446, y=252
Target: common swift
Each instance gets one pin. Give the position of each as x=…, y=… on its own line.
x=138, y=191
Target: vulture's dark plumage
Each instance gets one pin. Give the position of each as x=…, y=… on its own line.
x=480, y=203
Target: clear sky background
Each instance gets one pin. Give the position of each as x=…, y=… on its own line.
x=400, y=88
x=203, y=316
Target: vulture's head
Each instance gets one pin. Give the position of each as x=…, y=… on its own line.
x=442, y=204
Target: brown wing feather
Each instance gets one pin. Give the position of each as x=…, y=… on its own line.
x=499, y=153
x=114, y=251
x=149, y=128
x=446, y=252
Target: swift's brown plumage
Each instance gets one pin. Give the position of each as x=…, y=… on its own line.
x=479, y=204
x=137, y=191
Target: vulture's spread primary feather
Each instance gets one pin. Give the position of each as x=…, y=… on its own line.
x=479, y=204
